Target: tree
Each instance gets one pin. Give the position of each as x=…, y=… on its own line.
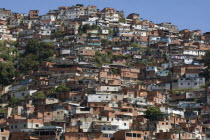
x=35, y=53
x=7, y=73
x=14, y=102
x=39, y=95
x=122, y=19
x=152, y=112
x=59, y=89
x=1, y=44
x=5, y=56
x=1, y=110
x=103, y=58
x=206, y=61
x=206, y=58
x=115, y=71
x=148, y=51
x=62, y=89
x=42, y=50
x=207, y=84
x=105, y=42
x=86, y=27
x=58, y=33
x=134, y=45
x=111, y=32
x=29, y=62
x=51, y=91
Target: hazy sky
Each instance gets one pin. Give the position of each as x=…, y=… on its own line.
x=186, y=14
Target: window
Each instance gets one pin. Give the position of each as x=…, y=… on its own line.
x=48, y=114
x=15, y=126
x=128, y=134
x=24, y=125
x=124, y=124
x=106, y=135
x=11, y=127
x=37, y=125
x=138, y=135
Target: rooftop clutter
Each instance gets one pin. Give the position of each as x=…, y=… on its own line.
x=84, y=73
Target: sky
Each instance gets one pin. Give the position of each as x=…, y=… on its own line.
x=186, y=14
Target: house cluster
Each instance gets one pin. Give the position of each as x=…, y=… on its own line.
x=115, y=69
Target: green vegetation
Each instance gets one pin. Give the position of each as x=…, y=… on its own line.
x=29, y=62
x=206, y=58
x=58, y=34
x=139, y=82
x=122, y=19
x=7, y=50
x=39, y=95
x=62, y=89
x=59, y=89
x=134, y=45
x=108, y=58
x=1, y=110
x=42, y=50
x=115, y=71
x=101, y=59
x=22, y=88
x=148, y=51
x=35, y=53
x=111, y=32
x=14, y=102
x=7, y=68
x=207, y=84
x=7, y=73
x=148, y=62
x=105, y=42
x=152, y=112
x=206, y=61
x=87, y=27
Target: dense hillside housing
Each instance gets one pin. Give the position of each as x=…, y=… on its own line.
x=110, y=77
